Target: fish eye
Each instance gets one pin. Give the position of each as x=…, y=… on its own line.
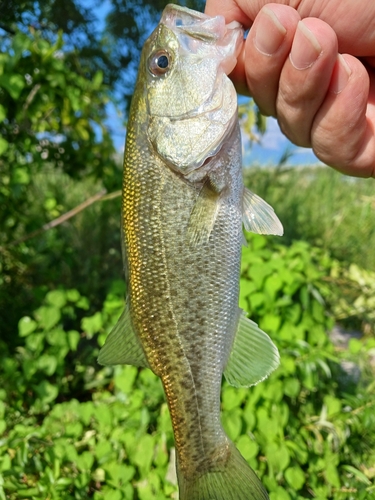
x=159, y=62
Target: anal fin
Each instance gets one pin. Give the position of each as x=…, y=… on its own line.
x=122, y=346
x=253, y=356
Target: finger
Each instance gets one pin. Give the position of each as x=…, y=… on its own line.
x=343, y=133
x=266, y=49
x=305, y=79
x=230, y=9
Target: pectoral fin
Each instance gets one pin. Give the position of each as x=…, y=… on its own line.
x=259, y=217
x=203, y=215
x=122, y=346
x=253, y=356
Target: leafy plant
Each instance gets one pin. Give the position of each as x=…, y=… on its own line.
x=52, y=130
x=319, y=205
x=74, y=430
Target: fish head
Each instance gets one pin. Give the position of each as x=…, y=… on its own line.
x=191, y=103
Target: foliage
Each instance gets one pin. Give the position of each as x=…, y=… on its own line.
x=51, y=130
x=51, y=117
x=74, y=430
x=59, y=75
x=105, y=37
x=71, y=429
x=322, y=206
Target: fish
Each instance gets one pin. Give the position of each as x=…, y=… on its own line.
x=184, y=206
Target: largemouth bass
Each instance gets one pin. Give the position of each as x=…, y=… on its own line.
x=183, y=208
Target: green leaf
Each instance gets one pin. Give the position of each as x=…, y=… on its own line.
x=331, y=474
x=73, y=339
x=47, y=364
x=280, y=494
x=48, y=316
x=292, y=387
x=57, y=336
x=270, y=323
x=119, y=474
x=72, y=295
x=232, y=423
x=26, y=325
x=278, y=456
x=85, y=461
x=333, y=404
x=295, y=477
x=248, y=447
x=3, y=114
x=20, y=176
x=357, y=473
x=46, y=391
x=258, y=273
x=232, y=397
x=56, y=298
x=144, y=453
x=125, y=378
x=3, y=145
x=355, y=346
x=92, y=324
x=103, y=416
x=103, y=450
x=257, y=300
x=272, y=285
x=97, y=80
x=13, y=83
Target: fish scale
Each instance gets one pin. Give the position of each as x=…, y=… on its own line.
x=183, y=297
x=183, y=207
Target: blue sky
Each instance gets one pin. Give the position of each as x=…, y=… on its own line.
x=273, y=145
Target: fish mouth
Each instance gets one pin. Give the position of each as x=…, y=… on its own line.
x=198, y=25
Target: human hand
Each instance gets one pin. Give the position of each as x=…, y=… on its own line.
x=316, y=76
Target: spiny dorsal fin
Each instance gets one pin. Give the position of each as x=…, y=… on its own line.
x=253, y=356
x=259, y=217
x=122, y=346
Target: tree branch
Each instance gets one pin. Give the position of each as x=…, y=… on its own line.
x=101, y=196
x=31, y=96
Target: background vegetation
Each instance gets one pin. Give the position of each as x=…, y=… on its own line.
x=70, y=429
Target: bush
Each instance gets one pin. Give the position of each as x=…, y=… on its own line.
x=329, y=210
x=73, y=430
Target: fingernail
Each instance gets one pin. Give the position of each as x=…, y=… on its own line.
x=305, y=49
x=340, y=76
x=269, y=32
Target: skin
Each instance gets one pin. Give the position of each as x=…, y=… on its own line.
x=311, y=64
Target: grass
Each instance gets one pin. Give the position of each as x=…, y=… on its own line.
x=323, y=207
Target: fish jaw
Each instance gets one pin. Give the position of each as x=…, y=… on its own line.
x=191, y=103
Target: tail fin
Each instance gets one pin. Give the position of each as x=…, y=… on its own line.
x=234, y=481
